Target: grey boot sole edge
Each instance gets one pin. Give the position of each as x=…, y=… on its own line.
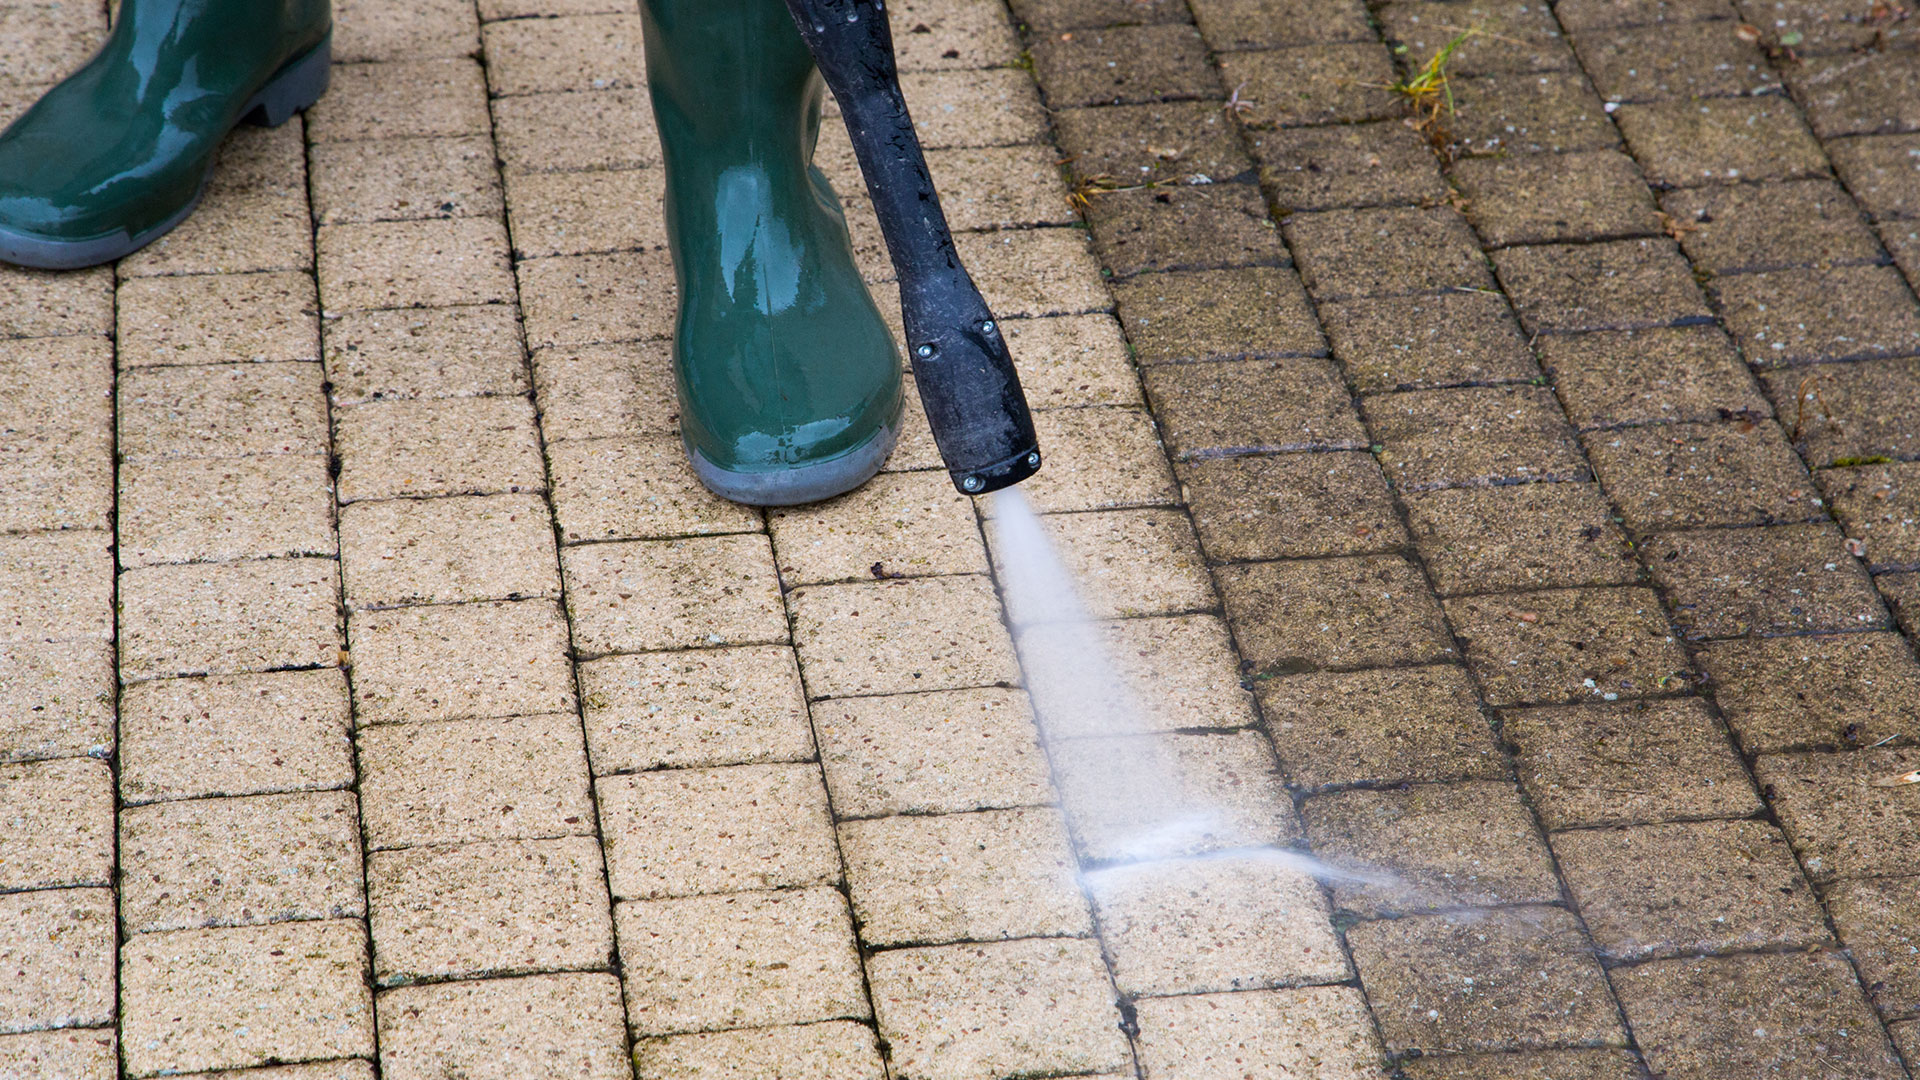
x=805, y=484
x=297, y=86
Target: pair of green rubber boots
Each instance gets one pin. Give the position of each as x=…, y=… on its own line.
x=789, y=384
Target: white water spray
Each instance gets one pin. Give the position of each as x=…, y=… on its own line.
x=1137, y=810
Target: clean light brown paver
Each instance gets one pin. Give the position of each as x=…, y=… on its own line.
x=976, y=1011
x=61, y=705
x=507, y=1027
x=406, y=551
x=227, y=998
x=488, y=908
x=66, y=939
x=220, y=509
x=963, y=877
x=931, y=753
x=220, y=619
x=409, y=661
x=663, y=594
x=57, y=823
x=464, y=780
x=789, y=958
x=1170, y=933
x=700, y=707
x=900, y=636
x=685, y=832
x=233, y=862
x=1214, y=1036
x=835, y=1050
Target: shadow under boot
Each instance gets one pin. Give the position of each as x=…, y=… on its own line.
x=789, y=381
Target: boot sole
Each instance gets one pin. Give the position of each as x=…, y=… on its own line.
x=803, y=484
x=296, y=87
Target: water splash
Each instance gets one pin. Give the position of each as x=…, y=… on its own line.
x=1122, y=786
x=1279, y=858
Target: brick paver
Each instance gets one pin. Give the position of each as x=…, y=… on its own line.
x=1523, y=507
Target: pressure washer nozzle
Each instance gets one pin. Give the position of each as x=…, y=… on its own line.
x=966, y=377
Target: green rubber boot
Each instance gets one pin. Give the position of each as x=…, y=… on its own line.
x=788, y=378
x=117, y=154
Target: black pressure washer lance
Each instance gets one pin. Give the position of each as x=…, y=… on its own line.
x=960, y=361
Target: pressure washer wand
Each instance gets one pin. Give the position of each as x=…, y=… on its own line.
x=960, y=361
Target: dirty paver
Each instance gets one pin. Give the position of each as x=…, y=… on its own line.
x=1534, y=531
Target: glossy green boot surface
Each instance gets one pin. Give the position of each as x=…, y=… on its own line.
x=115, y=155
x=790, y=386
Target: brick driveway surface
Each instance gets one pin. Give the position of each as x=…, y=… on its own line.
x=1530, y=506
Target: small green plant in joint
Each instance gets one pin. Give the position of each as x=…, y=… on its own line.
x=1428, y=90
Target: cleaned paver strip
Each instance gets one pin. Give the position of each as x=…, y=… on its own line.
x=564, y=793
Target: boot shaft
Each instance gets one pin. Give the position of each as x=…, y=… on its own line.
x=217, y=45
x=730, y=79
